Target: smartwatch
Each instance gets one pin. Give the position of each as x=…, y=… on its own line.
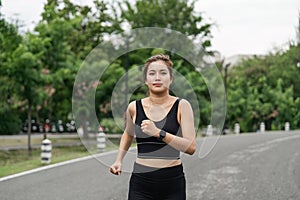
x=162, y=135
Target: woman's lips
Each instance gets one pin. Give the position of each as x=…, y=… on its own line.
x=157, y=84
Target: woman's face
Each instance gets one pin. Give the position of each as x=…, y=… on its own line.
x=158, y=77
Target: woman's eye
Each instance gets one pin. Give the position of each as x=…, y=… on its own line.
x=151, y=74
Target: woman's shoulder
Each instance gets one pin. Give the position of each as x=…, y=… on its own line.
x=131, y=105
x=184, y=103
x=131, y=108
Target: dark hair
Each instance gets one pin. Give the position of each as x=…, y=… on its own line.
x=159, y=57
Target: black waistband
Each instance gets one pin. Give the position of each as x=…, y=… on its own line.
x=158, y=173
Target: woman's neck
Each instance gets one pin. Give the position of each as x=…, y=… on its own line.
x=159, y=99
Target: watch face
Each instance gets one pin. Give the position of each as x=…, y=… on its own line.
x=162, y=134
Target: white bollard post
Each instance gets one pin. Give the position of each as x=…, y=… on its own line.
x=209, y=131
x=237, y=128
x=262, y=127
x=287, y=126
x=101, y=142
x=46, y=153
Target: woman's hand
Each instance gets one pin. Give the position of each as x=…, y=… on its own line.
x=116, y=168
x=149, y=128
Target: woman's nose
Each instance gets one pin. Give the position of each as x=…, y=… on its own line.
x=157, y=76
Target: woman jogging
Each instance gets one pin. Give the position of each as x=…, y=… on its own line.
x=164, y=127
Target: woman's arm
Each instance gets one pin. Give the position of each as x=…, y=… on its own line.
x=125, y=141
x=186, y=143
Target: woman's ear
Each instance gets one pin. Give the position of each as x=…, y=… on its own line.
x=171, y=81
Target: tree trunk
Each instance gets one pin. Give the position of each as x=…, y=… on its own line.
x=29, y=130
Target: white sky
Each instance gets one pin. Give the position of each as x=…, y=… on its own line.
x=243, y=26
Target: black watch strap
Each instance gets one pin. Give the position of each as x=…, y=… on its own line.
x=162, y=135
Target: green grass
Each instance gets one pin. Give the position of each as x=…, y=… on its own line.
x=15, y=161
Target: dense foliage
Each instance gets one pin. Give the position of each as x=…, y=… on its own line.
x=38, y=68
x=266, y=89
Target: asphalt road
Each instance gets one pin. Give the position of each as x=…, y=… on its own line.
x=245, y=167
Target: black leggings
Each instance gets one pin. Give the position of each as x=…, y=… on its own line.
x=159, y=184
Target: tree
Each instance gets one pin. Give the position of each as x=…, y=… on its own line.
x=9, y=41
x=263, y=89
x=176, y=15
x=27, y=77
x=298, y=30
x=61, y=66
x=88, y=26
x=70, y=32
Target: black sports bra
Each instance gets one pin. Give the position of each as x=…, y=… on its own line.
x=149, y=146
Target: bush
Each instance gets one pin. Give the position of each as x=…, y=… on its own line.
x=10, y=123
x=110, y=126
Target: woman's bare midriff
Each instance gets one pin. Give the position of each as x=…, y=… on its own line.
x=158, y=163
